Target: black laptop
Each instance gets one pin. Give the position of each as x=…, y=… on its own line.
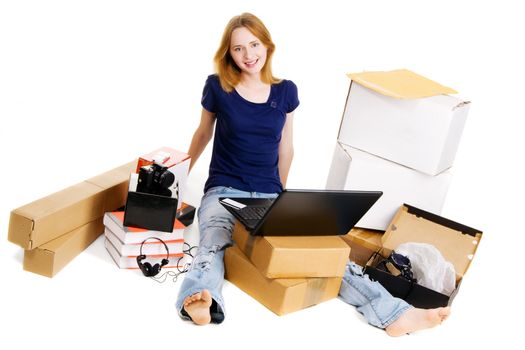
x=302, y=212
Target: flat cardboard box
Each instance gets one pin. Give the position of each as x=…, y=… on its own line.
x=49, y=258
x=363, y=244
x=353, y=169
x=281, y=296
x=291, y=257
x=150, y=246
x=456, y=242
x=130, y=261
x=405, y=118
x=59, y=213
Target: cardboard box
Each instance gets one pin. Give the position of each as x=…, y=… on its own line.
x=456, y=242
x=405, y=118
x=150, y=247
x=290, y=257
x=281, y=296
x=55, y=215
x=114, y=222
x=353, y=169
x=49, y=258
x=363, y=244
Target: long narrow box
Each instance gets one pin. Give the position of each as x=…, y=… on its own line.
x=49, y=258
x=281, y=296
x=50, y=217
x=291, y=257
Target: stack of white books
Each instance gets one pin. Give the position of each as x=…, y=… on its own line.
x=123, y=243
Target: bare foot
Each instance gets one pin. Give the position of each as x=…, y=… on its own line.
x=198, y=307
x=417, y=319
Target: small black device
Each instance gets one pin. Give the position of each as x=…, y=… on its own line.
x=302, y=212
x=155, y=179
x=147, y=269
x=397, y=265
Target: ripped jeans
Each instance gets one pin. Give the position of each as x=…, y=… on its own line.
x=207, y=269
x=372, y=300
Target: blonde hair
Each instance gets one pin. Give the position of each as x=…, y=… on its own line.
x=228, y=72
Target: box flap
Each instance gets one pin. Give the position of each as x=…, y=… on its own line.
x=400, y=83
x=457, y=242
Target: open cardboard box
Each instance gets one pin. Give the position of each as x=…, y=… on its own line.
x=456, y=242
x=405, y=118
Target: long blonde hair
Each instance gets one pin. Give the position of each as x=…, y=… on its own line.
x=228, y=72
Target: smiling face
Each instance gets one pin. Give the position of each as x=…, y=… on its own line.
x=247, y=51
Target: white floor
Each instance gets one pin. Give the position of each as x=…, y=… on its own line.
x=86, y=87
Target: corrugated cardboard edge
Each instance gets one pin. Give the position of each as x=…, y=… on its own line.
x=20, y=229
x=401, y=84
x=48, y=259
x=456, y=242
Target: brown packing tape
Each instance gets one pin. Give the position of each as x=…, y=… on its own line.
x=314, y=291
x=49, y=258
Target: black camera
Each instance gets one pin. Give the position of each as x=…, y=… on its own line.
x=155, y=179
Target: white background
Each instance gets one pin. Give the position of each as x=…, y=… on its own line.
x=88, y=85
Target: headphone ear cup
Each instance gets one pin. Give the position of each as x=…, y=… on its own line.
x=164, y=262
x=146, y=268
x=155, y=270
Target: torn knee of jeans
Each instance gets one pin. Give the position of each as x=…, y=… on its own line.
x=221, y=221
x=205, y=256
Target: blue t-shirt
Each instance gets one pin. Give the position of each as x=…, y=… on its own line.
x=247, y=136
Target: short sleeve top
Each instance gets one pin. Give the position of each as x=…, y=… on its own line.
x=247, y=135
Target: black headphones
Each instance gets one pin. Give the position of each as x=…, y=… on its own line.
x=146, y=268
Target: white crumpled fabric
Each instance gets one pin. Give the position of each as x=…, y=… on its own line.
x=429, y=267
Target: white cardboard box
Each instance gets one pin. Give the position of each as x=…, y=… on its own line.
x=353, y=169
x=405, y=118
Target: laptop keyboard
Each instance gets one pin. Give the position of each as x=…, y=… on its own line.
x=252, y=213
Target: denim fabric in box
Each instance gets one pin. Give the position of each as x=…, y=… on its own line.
x=456, y=242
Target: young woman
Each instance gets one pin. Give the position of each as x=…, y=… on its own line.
x=252, y=154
